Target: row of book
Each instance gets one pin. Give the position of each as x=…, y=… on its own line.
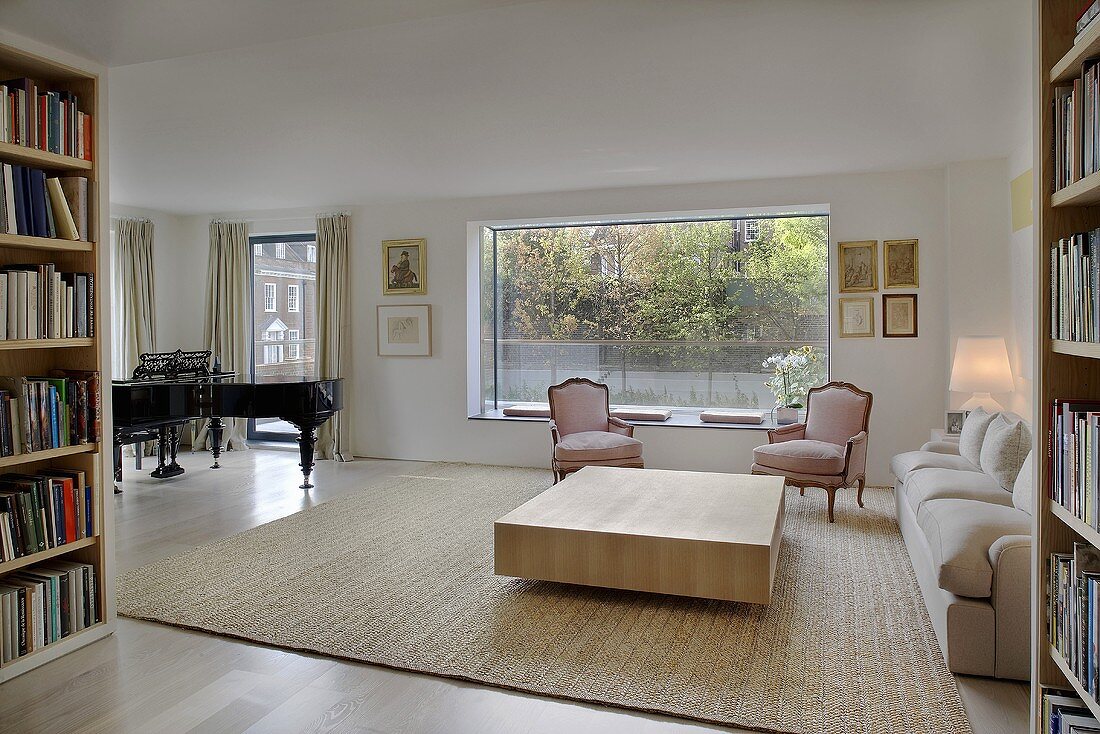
x=44, y=510
x=1075, y=288
x=1066, y=713
x=1087, y=20
x=1074, y=612
x=44, y=119
x=1074, y=456
x=38, y=302
x=34, y=204
x=1077, y=126
x=45, y=603
x=41, y=413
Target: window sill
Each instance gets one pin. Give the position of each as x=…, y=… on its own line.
x=679, y=419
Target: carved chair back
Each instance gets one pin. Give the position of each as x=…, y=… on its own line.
x=579, y=404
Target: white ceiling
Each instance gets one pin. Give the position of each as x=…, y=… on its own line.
x=423, y=99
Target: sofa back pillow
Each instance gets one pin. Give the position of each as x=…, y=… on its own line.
x=1023, y=489
x=1003, y=452
x=973, y=434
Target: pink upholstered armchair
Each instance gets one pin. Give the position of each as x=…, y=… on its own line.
x=584, y=432
x=829, y=450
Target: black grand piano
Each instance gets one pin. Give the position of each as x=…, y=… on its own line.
x=170, y=389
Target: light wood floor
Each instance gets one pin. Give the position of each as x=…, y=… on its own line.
x=154, y=678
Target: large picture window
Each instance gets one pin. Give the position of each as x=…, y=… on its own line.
x=677, y=313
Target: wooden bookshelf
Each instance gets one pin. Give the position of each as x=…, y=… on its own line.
x=28, y=357
x=1063, y=666
x=1089, y=350
x=1083, y=192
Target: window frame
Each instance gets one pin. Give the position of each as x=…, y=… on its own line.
x=295, y=305
x=280, y=251
x=293, y=348
x=273, y=298
x=476, y=409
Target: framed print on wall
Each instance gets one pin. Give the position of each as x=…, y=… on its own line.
x=901, y=263
x=405, y=331
x=404, y=266
x=857, y=317
x=899, y=315
x=858, y=266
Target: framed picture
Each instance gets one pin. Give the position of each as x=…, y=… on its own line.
x=405, y=331
x=899, y=315
x=953, y=422
x=857, y=317
x=858, y=266
x=901, y=264
x=404, y=266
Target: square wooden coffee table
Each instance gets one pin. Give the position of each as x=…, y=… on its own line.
x=698, y=534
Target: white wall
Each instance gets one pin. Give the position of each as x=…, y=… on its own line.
x=416, y=408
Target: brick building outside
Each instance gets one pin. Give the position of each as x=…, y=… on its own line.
x=285, y=313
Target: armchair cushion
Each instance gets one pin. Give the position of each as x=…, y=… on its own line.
x=910, y=461
x=597, y=446
x=802, y=456
x=960, y=534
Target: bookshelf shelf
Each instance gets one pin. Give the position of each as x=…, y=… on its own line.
x=1063, y=666
x=52, y=652
x=83, y=448
x=1084, y=192
x=45, y=343
x=12, y=153
x=1069, y=66
x=47, y=554
x=1076, y=349
x=44, y=243
x=1076, y=525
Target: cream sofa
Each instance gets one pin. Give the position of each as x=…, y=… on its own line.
x=969, y=538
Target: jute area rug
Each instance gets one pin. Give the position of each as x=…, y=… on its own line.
x=400, y=574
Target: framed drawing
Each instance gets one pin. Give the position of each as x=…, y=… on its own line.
x=404, y=266
x=953, y=422
x=857, y=317
x=901, y=263
x=405, y=331
x=858, y=266
x=899, y=315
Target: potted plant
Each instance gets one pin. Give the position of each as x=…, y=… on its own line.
x=794, y=374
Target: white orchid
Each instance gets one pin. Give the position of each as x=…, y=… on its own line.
x=795, y=373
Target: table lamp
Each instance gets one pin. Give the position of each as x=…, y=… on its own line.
x=981, y=367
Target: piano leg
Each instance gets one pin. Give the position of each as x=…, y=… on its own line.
x=118, y=460
x=217, y=428
x=307, y=440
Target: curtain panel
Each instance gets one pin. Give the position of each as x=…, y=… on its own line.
x=135, y=324
x=333, y=327
x=229, y=314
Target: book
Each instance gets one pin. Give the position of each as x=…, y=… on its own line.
x=61, y=214
x=75, y=189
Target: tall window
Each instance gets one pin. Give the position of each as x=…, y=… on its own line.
x=680, y=314
x=283, y=330
x=269, y=298
x=293, y=349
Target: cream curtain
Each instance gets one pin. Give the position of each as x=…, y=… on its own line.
x=135, y=325
x=229, y=314
x=333, y=314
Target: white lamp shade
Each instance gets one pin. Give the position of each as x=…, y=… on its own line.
x=981, y=365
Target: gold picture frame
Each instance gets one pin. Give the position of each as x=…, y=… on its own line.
x=857, y=317
x=858, y=261
x=405, y=267
x=405, y=330
x=900, y=264
x=899, y=315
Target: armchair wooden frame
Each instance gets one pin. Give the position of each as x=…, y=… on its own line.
x=614, y=425
x=841, y=480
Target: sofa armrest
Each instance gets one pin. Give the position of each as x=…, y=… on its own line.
x=617, y=425
x=1010, y=596
x=793, y=432
x=941, y=447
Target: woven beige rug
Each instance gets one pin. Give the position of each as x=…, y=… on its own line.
x=401, y=575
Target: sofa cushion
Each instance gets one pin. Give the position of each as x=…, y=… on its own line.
x=909, y=461
x=938, y=484
x=801, y=455
x=732, y=416
x=1024, y=488
x=535, y=410
x=973, y=434
x=597, y=446
x=641, y=414
x=959, y=534
x=1005, y=447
